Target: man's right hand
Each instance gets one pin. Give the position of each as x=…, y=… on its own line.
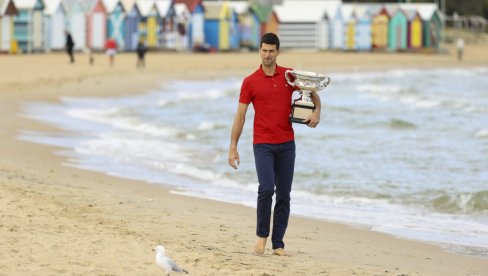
x=234, y=160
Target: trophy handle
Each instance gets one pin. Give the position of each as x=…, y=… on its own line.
x=323, y=83
x=289, y=72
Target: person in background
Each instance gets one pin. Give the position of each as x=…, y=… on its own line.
x=111, y=50
x=70, y=44
x=460, y=48
x=141, y=52
x=274, y=142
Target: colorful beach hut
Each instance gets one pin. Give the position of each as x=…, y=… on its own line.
x=166, y=24
x=338, y=30
x=217, y=27
x=379, y=27
x=182, y=19
x=267, y=18
x=96, y=24
x=414, y=33
x=115, y=21
x=363, y=28
x=148, y=27
x=350, y=22
x=7, y=12
x=397, y=38
x=29, y=25
x=55, y=24
x=196, y=32
x=76, y=22
x=303, y=24
x=248, y=24
x=132, y=20
x=432, y=25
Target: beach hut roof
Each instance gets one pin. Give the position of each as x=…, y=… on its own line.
x=411, y=14
x=25, y=4
x=110, y=5
x=69, y=4
x=305, y=11
x=145, y=6
x=181, y=9
x=4, y=6
x=215, y=10
x=191, y=4
x=51, y=6
x=240, y=7
x=128, y=4
x=425, y=10
x=163, y=7
x=91, y=4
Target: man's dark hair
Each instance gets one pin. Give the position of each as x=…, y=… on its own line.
x=270, y=38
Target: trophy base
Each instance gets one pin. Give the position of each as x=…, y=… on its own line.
x=301, y=111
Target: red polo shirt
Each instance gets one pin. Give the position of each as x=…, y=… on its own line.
x=271, y=98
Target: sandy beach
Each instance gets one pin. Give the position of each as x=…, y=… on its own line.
x=60, y=220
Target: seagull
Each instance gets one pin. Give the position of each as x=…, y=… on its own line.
x=165, y=262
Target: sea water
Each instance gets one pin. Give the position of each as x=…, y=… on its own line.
x=403, y=152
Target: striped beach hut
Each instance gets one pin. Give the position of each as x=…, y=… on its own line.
x=196, y=32
x=248, y=24
x=397, y=38
x=76, y=22
x=55, y=25
x=132, y=19
x=148, y=27
x=182, y=19
x=338, y=29
x=414, y=33
x=379, y=27
x=304, y=24
x=432, y=25
x=350, y=22
x=267, y=18
x=216, y=26
x=29, y=25
x=115, y=21
x=166, y=23
x=7, y=12
x=363, y=28
x=96, y=24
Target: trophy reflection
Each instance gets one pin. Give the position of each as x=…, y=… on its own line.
x=305, y=82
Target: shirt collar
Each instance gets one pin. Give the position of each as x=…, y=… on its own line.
x=277, y=71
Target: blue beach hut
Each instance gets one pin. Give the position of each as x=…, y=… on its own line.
x=248, y=24
x=115, y=21
x=196, y=34
x=363, y=28
x=29, y=25
x=132, y=20
x=217, y=25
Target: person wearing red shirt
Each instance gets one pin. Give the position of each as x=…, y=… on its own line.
x=273, y=141
x=111, y=50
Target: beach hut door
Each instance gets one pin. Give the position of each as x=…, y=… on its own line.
x=399, y=33
x=98, y=37
x=5, y=46
x=37, y=31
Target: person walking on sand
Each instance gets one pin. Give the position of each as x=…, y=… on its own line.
x=273, y=141
x=70, y=44
x=141, y=52
x=460, y=48
x=111, y=50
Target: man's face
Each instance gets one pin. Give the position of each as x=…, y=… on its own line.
x=268, y=54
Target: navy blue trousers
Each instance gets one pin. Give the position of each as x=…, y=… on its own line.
x=275, y=164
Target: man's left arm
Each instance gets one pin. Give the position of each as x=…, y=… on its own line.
x=315, y=117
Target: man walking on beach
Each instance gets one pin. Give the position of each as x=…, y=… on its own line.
x=274, y=145
x=70, y=44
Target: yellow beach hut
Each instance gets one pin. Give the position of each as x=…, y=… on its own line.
x=149, y=27
x=218, y=17
x=414, y=29
x=7, y=13
x=379, y=28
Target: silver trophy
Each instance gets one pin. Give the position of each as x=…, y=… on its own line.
x=305, y=82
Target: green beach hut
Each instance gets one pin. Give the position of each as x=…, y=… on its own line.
x=398, y=27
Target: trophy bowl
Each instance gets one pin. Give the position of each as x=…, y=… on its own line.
x=306, y=82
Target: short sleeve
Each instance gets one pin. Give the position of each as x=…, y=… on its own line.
x=246, y=94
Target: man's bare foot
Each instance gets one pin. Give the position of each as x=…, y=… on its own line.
x=260, y=245
x=280, y=252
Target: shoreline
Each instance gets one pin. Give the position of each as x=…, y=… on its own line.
x=87, y=222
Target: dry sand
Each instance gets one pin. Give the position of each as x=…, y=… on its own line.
x=59, y=220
